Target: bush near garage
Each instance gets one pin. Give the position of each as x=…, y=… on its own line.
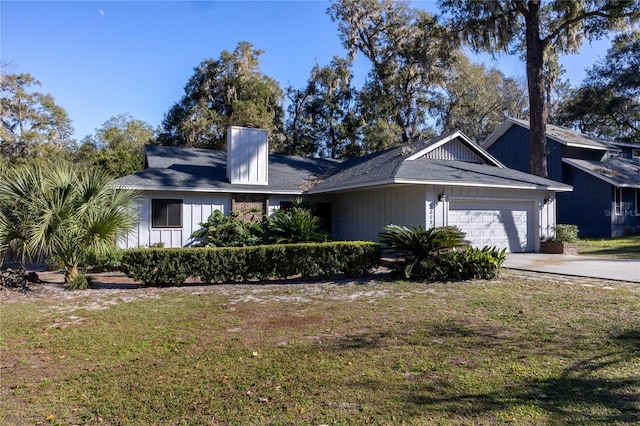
x=167, y=267
x=440, y=254
x=467, y=264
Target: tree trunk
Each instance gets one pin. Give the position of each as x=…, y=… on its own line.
x=70, y=273
x=535, y=82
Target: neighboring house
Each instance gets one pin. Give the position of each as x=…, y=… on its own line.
x=447, y=180
x=605, y=175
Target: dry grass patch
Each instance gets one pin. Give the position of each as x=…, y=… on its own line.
x=508, y=351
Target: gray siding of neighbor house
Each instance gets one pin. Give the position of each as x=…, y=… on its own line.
x=589, y=205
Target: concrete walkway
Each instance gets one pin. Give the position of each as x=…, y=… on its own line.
x=581, y=266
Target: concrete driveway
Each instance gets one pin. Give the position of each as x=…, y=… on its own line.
x=581, y=266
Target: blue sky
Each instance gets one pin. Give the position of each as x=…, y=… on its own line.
x=102, y=58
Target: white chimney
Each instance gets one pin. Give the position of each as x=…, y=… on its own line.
x=247, y=156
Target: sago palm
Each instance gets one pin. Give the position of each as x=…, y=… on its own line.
x=64, y=212
x=419, y=245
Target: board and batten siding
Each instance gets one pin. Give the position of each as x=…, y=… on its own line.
x=589, y=205
x=362, y=215
x=196, y=208
x=454, y=150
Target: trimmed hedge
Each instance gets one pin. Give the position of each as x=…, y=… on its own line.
x=167, y=267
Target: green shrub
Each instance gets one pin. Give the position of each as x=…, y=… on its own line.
x=110, y=260
x=468, y=264
x=566, y=233
x=419, y=245
x=227, y=231
x=294, y=225
x=80, y=282
x=158, y=267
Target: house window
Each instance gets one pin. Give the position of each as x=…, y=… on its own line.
x=286, y=205
x=617, y=201
x=166, y=213
x=635, y=154
x=637, y=202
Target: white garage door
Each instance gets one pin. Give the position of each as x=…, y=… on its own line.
x=500, y=224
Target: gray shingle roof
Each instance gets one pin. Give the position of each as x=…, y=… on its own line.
x=616, y=171
x=393, y=166
x=560, y=134
x=204, y=170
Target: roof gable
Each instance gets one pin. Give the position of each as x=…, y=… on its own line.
x=455, y=146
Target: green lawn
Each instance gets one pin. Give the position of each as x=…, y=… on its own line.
x=624, y=247
x=505, y=351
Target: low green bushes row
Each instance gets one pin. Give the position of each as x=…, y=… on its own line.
x=440, y=254
x=159, y=267
x=467, y=263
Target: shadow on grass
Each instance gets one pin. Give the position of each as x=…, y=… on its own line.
x=566, y=399
x=619, y=252
x=580, y=394
x=598, y=390
x=623, y=248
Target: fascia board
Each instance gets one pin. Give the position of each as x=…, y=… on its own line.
x=352, y=186
x=207, y=189
x=564, y=188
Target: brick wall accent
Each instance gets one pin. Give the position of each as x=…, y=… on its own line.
x=249, y=207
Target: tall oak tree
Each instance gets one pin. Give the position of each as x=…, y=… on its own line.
x=541, y=28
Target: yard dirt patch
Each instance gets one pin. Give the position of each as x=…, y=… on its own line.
x=115, y=287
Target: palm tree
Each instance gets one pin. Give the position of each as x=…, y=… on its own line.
x=63, y=211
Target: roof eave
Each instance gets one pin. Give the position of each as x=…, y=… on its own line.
x=404, y=181
x=532, y=186
x=211, y=189
x=350, y=187
x=578, y=145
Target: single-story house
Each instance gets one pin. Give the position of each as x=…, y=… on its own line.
x=448, y=180
x=605, y=175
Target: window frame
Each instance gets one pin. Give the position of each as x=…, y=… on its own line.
x=617, y=201
x=165, y=203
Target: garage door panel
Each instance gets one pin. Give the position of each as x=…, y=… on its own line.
x=500, y=224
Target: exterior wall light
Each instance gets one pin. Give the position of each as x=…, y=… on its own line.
x=442, y=197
